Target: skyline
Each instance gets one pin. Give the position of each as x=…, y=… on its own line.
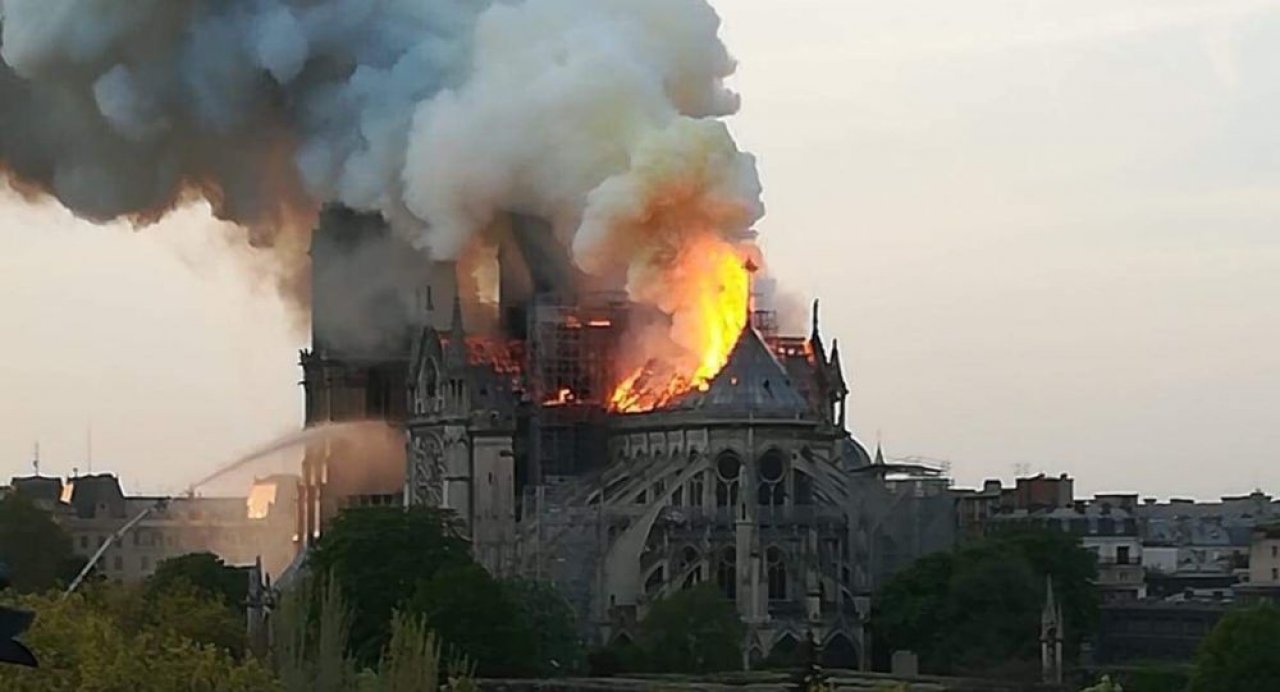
x=1062, y=245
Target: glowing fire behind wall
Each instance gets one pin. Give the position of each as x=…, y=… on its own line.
x=708, y=286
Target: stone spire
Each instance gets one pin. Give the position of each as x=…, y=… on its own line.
x=1051, y=636
x=815, y=336
x=457, y=352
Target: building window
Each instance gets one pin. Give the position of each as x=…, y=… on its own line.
x=1122, y=555
x=654, y=582
x=1275, y=574
x=771, y=495
x=727, y=573
x=118, y=563
x=728, y=468
x=777, y=574
x=1275, y=551
x=84, y=542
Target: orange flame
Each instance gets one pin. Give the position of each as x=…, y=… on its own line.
x=562, y=397
x=710, y=287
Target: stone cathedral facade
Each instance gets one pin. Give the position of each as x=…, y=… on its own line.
x=752, y=485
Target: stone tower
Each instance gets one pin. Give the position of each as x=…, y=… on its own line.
x=1051, y=637
x=371, y=293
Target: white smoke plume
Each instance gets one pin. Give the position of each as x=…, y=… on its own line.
x=599, y=115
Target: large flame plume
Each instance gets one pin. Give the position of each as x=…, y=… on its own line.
x=710, y=289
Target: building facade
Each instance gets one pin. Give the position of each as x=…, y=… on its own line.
x=752, y=484
x=93, y=509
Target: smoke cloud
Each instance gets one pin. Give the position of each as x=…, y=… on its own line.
x=599, y=115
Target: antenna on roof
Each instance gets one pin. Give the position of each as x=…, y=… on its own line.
x=88, y=444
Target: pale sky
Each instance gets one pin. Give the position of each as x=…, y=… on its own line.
x=1045, y=233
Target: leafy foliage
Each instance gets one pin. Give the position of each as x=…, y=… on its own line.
x=205, y=573
x=478, y=619
x=556, y=646
x=694, y=631
x=178, y=610
x=310, y=653
x=1106, y=684
x=390, y=559
x=380, y=555
x=1239, y=655
x=977, y=609
x=310, y=640
x=1154, y=678
x=35, y=549
x=82, y=645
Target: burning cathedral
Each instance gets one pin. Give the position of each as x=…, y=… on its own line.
x=569, y=462
x=598, y=388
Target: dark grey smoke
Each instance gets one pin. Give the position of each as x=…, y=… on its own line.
x=436, y=114
x=262, y=107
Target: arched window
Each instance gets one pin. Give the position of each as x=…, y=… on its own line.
x=654, y=582
x=727, y=573
x=728, y=470
x=695, y=490
x=777, y=568
x=772, y=490
x=729, y=466
x=428, y=387
x=772, y=466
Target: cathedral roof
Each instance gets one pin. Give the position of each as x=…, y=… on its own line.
x=753, y=382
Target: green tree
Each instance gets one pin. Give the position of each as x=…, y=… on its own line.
x=693, y=631
x=977, y=609
x=557, y=647
x=35, y=549
x=311, y=655
x=82, y=646
x=204, y=572
x=380, y=555
x=177, y=610
x=1239, y=654
x=478, y=619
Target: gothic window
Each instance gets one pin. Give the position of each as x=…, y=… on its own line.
x=654, y=582
x=772, y=466
x=726, y=494
x=777, y=567
x=728, y=469
x=772, y=494
x=729, y=466
x=694, y=578
x=727, y=573
x=428, y=386
x=773, y=488
x=677, y=497
x=695, y=490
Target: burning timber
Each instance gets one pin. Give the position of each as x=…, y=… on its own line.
x=620, y=481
